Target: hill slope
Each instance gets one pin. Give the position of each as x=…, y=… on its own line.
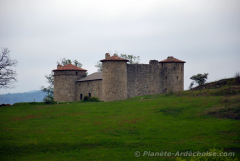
x=174, y=122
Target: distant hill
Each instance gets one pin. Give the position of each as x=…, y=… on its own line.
x=12, y=98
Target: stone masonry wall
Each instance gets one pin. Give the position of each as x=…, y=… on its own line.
x=173, y=76
x=114, y=80
x=65, y=85
x=143, y=79
x=94, y=87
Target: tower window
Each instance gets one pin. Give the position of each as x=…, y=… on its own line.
x=174, y=68
x=76, y=73
x=177, y=77
x=181, y=68
x=166, y=77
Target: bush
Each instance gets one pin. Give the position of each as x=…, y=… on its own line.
x=86, y=98
x=237, y=77
x=48, y=99
x=93, y=99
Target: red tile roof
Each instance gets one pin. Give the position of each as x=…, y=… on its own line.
x=114, y=58
x=69, y=67
x=171, y=59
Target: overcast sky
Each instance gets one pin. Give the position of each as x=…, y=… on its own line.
x=204, y=33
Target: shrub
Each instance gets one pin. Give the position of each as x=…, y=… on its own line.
x=48, y=99
x=191, y=85
x=237, y=77
x=93, y=99
x=86, y=98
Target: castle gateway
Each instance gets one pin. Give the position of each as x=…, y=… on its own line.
x=118, y=80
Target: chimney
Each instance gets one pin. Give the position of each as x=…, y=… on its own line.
x=59, y=66
x=153, y=62
x=170, y=58
x=107, y=55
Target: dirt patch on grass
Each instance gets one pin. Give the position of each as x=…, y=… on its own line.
x=124, y=122
x=27, y=117
x=97, y=123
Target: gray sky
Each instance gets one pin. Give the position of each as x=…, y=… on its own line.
x=204, y=33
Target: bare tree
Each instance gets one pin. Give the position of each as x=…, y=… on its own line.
x=7, y=74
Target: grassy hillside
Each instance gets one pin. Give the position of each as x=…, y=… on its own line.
x=194, y=120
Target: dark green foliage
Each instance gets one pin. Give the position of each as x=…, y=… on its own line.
x=48, y=99
x=171, y=111
x=237, y=77
x=85, y=98
x=191, y=85
x=200, y=79
x=93, y=99
x=29, y=103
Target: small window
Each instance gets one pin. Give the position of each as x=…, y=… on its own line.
x=174, y=68
x=88, y=83
x=181, y=68
x=89, y=94
x=162, y=64
x=76, y=73
x=80, y=96
x=166, y=77
x=177, y=77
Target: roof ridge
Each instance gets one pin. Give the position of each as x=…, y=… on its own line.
x=171, y=59
x=69, y=67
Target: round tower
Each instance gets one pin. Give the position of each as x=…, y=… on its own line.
x=173, y=74
x=65, y=78
x=114, y=78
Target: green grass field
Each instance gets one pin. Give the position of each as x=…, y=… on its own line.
x=115, y=130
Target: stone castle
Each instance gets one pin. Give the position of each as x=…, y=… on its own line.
x=118, y=79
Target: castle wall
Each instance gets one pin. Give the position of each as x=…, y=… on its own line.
x=114, y=80
x=65, y=85
x=94, y=87
x=144, y=79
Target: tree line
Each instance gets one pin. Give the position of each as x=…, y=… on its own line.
x=12, y=98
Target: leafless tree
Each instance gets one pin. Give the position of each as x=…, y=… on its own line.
x=7, y=74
